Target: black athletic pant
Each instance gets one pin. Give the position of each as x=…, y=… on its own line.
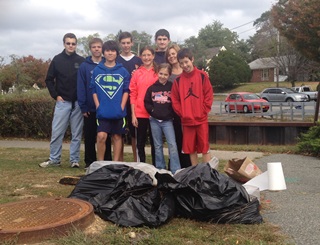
x=184, y=158
x=144, y=131
x=90, y=136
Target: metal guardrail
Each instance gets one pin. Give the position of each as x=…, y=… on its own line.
x=283, y=110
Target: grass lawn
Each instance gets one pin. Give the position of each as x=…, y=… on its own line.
x=21, y=178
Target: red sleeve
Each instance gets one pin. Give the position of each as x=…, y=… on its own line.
x=133, y=89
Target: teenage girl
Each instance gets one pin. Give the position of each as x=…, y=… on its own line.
x=142, y=78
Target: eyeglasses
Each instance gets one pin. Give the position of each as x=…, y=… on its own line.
x=73, y=44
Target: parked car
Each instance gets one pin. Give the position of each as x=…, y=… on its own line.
x=313, y=95
x=283, y=95
x=245, y=102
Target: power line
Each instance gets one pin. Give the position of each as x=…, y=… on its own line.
x=241, y=25
x=246, y=30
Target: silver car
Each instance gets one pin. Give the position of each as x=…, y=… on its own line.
x=283, y=95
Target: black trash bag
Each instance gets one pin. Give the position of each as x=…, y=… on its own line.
x=204, y=194
x=125, y=196
x=101, y=181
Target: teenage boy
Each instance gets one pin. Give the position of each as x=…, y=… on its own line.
x=192, y=98
x=87, y=105
x=110, y=89
x=61, y=82
x=131, y=62
x=162, y=40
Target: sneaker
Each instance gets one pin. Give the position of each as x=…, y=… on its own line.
x=75, y=165
x=49, y=163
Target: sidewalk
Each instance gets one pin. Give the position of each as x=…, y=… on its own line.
x=223, y=155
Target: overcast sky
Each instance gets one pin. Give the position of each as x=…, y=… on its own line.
x=36, y=27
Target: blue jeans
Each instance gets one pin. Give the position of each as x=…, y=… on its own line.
x=66, y=112
x=165, y=127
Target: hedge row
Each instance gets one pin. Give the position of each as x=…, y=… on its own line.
x=26, y=117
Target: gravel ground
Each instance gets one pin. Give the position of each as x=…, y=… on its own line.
x=297, y=209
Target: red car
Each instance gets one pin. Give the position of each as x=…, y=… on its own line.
x=245, y=101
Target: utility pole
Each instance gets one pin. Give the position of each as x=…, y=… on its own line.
x=278, y=53
x=138, y=51
x=316, y=114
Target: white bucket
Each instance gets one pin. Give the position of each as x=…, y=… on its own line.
x=276, y=177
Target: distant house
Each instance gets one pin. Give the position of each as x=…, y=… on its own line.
x=265, y=69
x=209, y=54
x=212, y=52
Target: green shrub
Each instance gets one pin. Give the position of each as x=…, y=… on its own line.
x=26, y=115
x=309, y=142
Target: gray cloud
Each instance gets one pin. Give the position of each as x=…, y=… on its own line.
x=34, y=27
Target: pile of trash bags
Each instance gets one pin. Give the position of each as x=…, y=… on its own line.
x=130, y=195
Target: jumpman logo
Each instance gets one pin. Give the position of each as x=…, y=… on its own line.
x=190, y=93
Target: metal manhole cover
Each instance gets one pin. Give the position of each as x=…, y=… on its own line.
x=36, y=220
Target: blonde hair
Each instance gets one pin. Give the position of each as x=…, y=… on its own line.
x=172, y=46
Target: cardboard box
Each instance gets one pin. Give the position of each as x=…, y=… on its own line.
x=242, y=170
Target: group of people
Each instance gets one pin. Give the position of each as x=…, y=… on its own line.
x=113, y=90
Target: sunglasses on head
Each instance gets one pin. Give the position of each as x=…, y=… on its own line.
x=73, y=44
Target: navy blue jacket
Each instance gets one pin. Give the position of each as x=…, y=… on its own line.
x=85, y=99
